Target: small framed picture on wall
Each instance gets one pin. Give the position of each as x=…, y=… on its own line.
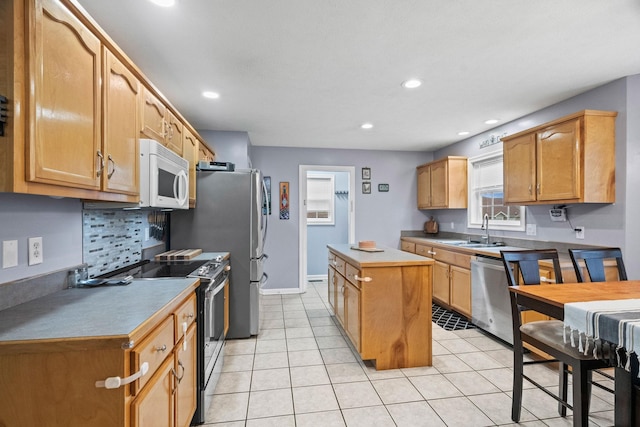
x=366, y=173
x=366, y=188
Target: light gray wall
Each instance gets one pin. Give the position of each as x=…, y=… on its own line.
x=57, y=221
x=606, y=224
x=378, y=216
x=229, y=146
x=318, y=236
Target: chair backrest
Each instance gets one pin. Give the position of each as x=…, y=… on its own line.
x=594, y=261
x=528, y=265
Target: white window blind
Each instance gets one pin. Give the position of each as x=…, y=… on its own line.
x=486, y=195
x=320, y=199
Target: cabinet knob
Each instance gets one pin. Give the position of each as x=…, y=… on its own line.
x=163, y=348
x=529, y=188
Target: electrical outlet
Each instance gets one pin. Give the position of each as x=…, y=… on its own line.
x=9, y=253
x=531, y=229
x=579, y=232
x=452, y=225
x=35, y=250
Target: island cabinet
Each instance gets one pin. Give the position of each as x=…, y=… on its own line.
x=382, y=300
x=443, y=184
x=144, y=378
x=569, y=160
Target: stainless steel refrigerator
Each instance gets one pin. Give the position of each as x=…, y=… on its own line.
x=229, y=218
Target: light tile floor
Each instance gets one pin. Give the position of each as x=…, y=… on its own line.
x=301, y=371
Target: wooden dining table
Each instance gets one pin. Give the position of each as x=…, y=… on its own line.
x=550, y=299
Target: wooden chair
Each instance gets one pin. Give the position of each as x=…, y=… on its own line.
x=548, y=336
x=594, y=262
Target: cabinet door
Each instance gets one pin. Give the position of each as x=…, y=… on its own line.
x=439, y=185
x=186, y=379
x=559, y=153
x=65, y=103
x=152, y=113
x=352, y=302
x=331, y=285
x=340, y=299
x=461, y=290
x=173, y=139
x=154, y=406
x=441, y=282
x=120, y=121
x=519, y=169
x=424, y=187
x=190, y=152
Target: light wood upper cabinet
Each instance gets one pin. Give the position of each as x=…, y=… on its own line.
x=190, y=151
x=120, y=121
x=159, y=123
x=173, y=139
x=65, y=103
x=153, y=113
x=443, y=184
x=569, y=160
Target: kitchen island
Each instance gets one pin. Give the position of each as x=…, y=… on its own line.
x=105, y=356
x=383, y=302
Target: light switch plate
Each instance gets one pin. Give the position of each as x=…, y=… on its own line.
x=9, y=253
x=579, y=232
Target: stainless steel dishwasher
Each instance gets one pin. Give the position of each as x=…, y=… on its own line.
x=490, y=305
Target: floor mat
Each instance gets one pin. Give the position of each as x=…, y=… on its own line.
x=449, y=320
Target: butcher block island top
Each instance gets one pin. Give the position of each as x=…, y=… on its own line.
x=383, y=302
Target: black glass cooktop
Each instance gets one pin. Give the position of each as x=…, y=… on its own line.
x=154, y=269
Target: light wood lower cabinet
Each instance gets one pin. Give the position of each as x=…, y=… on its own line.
x=451, y=279
x=384, y=309
x=54, y=383
x=408, y=246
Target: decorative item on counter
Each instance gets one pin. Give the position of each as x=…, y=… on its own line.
x=431, y=226
x=284, y=200
x=366, y=187
x=367, y=246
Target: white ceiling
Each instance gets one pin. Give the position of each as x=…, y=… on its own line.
x=308, y=73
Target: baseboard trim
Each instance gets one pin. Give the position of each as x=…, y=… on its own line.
x=281, y=291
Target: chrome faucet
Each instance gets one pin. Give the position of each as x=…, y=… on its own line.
x=485, y=227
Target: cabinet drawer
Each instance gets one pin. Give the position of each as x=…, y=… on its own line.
x=185, y=316
x=153, y=350
x=338, y=263
x=408, y=247
x=452, y=258
x=423, y=250
x=351, y=274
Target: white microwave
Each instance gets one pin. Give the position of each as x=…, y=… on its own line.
x=164, y=177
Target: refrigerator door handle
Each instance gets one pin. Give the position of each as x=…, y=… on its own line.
x=264, y=279
x=265, y=214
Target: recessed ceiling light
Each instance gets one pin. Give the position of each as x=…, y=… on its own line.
x=491, y=121
x=163, y=3
x=366, y=126
x=463, y=133
x=211, y=95
x=411, y=83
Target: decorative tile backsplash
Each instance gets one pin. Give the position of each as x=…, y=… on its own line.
x=111, y=239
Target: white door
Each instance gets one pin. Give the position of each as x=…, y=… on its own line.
x=305, y=170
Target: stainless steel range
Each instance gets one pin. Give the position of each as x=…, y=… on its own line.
x=213, y=275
